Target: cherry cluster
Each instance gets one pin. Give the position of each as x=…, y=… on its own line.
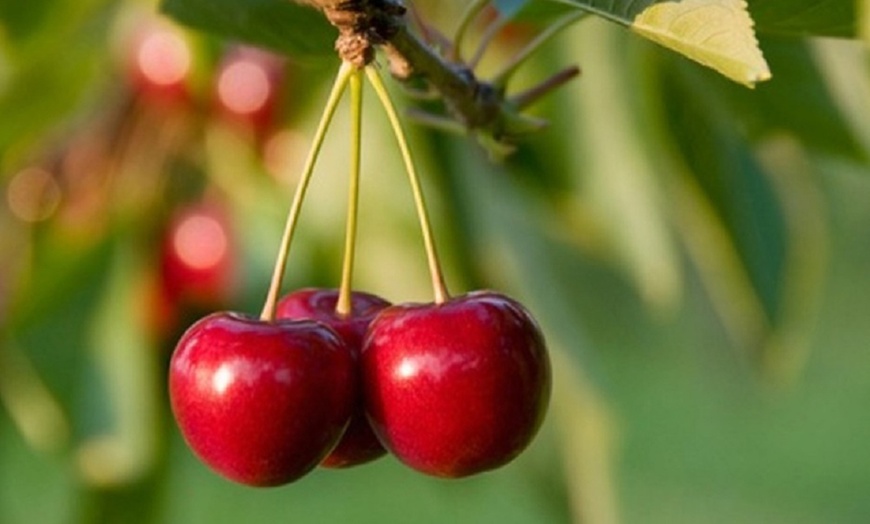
x=337, y=378
x=451, y=389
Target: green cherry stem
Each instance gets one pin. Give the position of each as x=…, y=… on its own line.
x=344, y=305
x=338, y=88
x=438, y=286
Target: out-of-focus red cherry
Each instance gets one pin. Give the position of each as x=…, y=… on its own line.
x=159, y=61
x=247, y=88
x=197, y=264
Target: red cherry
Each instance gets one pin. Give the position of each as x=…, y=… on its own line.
x=248, y=86
x=262, y=403
x=359, y=444
x=198, y=257
x=159, y=62
x=457, y=388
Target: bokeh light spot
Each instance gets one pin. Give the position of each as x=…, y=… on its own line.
x=200, y=241
x=164, y=58
x=33, y=195
x=244, y=87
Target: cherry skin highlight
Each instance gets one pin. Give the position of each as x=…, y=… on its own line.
x=458, y=388
x=359, y=444
x=262, y=403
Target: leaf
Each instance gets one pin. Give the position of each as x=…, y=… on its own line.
x=121, y=426
x=734, y=184
x=283, y=26
x=820, y=124
x=22, y=18
x=37, y=89
x=751, y=217
x=715, y=33
x=805, y=17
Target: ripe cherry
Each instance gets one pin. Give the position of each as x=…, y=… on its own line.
x=159, y=62
x=198, y=256
x=359, y=444
x=261, y=402
x=248, y=88
x=457, y=388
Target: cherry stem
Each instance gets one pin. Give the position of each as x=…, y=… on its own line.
x=438, y=286
x=344, y=305
x=338, y=88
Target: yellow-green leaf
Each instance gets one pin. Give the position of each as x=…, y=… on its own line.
x=716, y=33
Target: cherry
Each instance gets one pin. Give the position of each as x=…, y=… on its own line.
x=261, y=402
x=198, y=256
x=195, y=271
x=359, y=444
x=159, y=62
x=456, y=388
x=248, y=88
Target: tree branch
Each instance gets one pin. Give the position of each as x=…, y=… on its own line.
x=477, y=105
x=474, y=103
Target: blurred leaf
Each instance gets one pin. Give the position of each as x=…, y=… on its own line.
x=20, y=19
x=42, y=90
x=124, y=387
x=64, y=267
x=281, y=25
x=753, y=232
x=820, y=124
x=617, y=186
x=30, y=403
x=733, y=181
x=844, y=67
x=805, y=17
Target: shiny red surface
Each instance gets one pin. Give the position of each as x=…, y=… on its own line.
x=358, y=445
x=261, y=403
x=458, y=388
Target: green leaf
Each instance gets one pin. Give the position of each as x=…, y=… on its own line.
x=725, y=170
x=805, y=17
x=20, y=19
x=280, y=25
x=716, y=33
x=36, y=89
x=750, y=215
x=120, y=446
x=819, y=125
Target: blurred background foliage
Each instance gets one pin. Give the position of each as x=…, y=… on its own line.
x=696, y=252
